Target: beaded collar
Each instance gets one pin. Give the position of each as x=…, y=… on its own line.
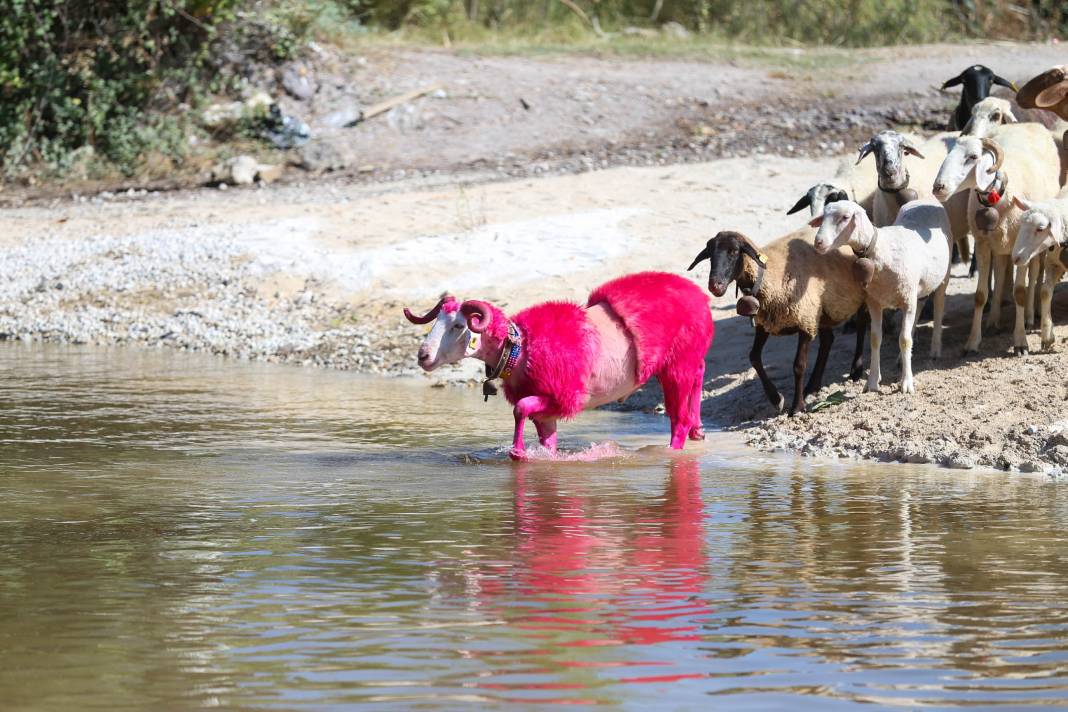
x=510, y=351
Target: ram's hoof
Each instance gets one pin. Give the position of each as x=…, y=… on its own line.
x=781, y=405
x=1019, y=350
x=518, y=455
x=697, y=434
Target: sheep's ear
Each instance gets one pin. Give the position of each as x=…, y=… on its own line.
x=702, y=255
x=816, y=221
x=864, y=151
x=911, y=149
x=1001, y=81
x=953, y=82
x=984, y=174
x=805, y=202
x=1021, y=203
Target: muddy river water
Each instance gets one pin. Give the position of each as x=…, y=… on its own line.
x=179, y=531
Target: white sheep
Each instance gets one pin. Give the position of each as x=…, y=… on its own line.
x=1043, y=233
x=1015, y=160
x=986, y=114
x=909, y=261
x=896, y=183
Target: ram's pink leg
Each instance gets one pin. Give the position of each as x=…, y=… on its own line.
x=526, y=408
x=547, y=433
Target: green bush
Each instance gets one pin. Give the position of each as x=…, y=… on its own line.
x=84, y=72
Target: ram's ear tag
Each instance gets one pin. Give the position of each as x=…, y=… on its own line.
x=762, y=258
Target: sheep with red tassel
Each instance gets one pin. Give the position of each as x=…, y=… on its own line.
x=557, y=359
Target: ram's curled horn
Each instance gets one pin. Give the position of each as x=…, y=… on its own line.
x=479, y=314
x=429, y=316
x=999, y=155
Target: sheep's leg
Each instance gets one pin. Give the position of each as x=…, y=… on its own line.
x=815, y=381
x=1001, y=264
x=874, y=373
x=759, y=339
x=1038, y=288
x=982, y=287
x=546, y=433
x=1032, y=282
x=904, y=342
x=863, y=324
x=696, y=393
x=1053, y=275
x=939, y=314
x=677, y=393
x=1019, y=294
x=526, y=408
x=800, y=364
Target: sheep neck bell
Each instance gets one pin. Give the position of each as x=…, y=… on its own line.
x=902, y=194
x=749, y=304
x=510, y=351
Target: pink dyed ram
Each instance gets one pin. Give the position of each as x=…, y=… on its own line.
x=557, y=359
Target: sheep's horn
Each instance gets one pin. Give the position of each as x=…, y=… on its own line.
x=804, y=202
x=479, y=314
x=1005, y=83
x=702, y=255
x=429, y=316
x=999, y=155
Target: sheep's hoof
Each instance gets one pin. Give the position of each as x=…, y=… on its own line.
x=871, y=388
x=969, y=351
x=781, y=405
x=518, y=455
x=697, y=434
x=1019, y=350
x=1047, y=346
x=907, y=386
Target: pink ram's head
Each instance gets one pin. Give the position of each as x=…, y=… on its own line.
x=454, y=325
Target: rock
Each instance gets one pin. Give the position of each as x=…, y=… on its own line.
x=297, y=81
x=243, y=170
x=674, y=30
x=1030, y=466
x=342, y=118
x=219, y=115
x=1057, y=454
x=324, y=155
x=641, y=32
x=270, y=173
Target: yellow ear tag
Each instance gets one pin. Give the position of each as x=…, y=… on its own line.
x=473, y=344
x=763, y=258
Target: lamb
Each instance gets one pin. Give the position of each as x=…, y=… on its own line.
x=787, y=289
x=909, y=260
x=1044, y=231
x=1015, y=160
x=975, y=83
x=557, y=359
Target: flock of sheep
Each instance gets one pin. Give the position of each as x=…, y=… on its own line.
x=877, y=240
x=998, y=180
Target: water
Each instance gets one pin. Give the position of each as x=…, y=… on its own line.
x=179, y=531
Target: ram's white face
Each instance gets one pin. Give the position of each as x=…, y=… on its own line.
x=967, y=165
x=988, y=113
x=447, y=340
x=1040, y=230
x=836, y=226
